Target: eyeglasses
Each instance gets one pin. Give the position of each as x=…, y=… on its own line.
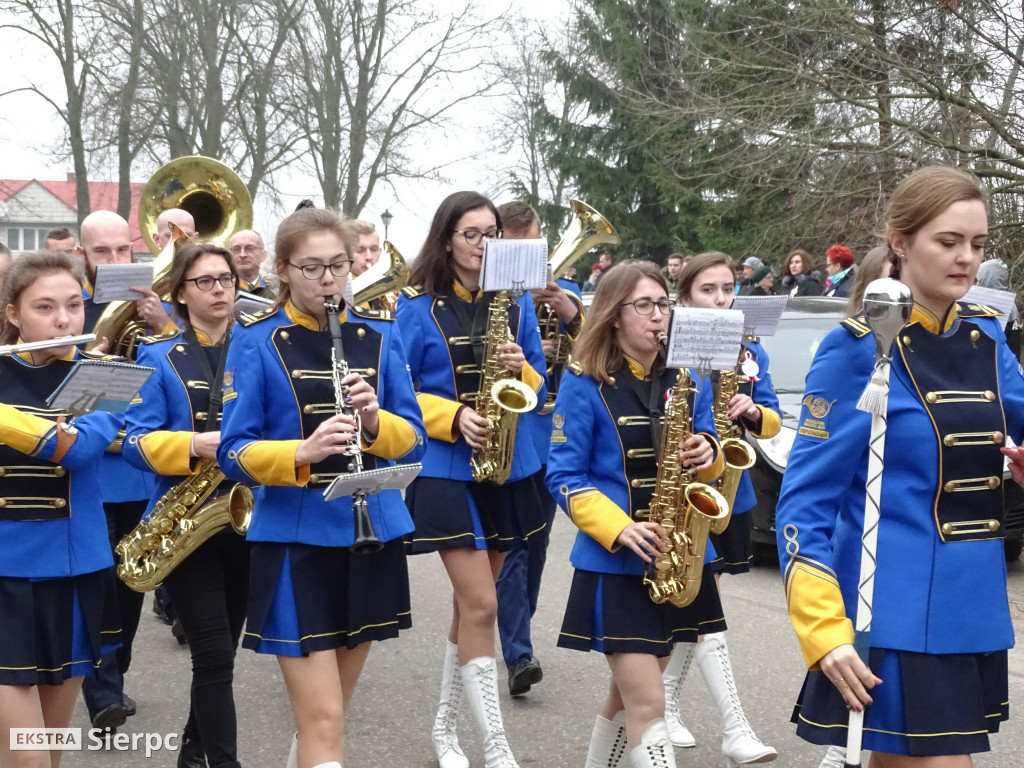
x=646, y=306
x=205, y=282
x=236, y=249
x=316, y=271
x=473, y=235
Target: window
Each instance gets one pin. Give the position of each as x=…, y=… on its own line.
x=26, y=238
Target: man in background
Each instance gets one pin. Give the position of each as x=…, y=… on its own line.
x=248, y=253
x=61, y=239
x=673, y=266
x=367, y=252
x=177, y=216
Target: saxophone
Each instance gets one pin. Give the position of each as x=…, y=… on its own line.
x=500, y=400
x=685, y=508
x=737, y=452
x=178, y=524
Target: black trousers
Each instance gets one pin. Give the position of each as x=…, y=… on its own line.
x=106, y=685
x=210, y=590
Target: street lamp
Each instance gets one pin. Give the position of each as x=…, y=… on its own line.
x=386, y=217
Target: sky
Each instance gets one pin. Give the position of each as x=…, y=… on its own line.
x=31, y=135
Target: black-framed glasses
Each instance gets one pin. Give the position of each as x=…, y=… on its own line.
x=473, y=236
x=316, y=271
x=205, y=282
x=646, y=306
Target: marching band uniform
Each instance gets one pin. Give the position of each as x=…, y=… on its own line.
x=55, y=559
x=941, y=622
x=733, y=545
x=308, y=592
x=209, y=589
x=602, y=467
x=518, y=586
x=450, y=509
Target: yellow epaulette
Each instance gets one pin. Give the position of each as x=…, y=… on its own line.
x=161, y=337
x=371, y=314
x=857, y=325
x=248, y=318
x=576, y=368
x=977, y=310
x=412, y=291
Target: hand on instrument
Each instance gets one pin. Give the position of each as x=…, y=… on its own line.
x=647, y=539
x=204, y=444
x=696, y=452
x=362, y=397
x=511, y=356
x=548, y=348
x=151, y=309
x=851, y=676
x=332, y=437
x=473, y=427
x=742, y=406
x=560, y=304
x=102, y=347
x=1016, y=457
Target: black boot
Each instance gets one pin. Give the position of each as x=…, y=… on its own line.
x=191, y=754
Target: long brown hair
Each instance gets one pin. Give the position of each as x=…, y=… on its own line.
x=806, y=262
x=21, y=274
x=597, y=349
x=292, y=234
x=433, y=269
x=921, y=197
x=696, y=265
x=184, y=258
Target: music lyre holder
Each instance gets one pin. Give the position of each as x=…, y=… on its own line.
x=372, y=481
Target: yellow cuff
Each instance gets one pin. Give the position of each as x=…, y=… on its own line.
x=166, y=453
x=770, y=423
x=22, y=431
x=272, y=462
x=599, y=517
x=531, y=378
x=439, y=416
x=395, y=437
x=817, y=611
x=712, y=473
x=170, y=328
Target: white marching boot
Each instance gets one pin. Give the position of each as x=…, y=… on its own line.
x=673, y=676
x=608, y=743
x=740, y=744
x=655, y=750
x=446, y=741
x=834, y=758
x=293, y=753
x=480, y=682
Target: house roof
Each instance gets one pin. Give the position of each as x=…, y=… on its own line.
x=102, y=197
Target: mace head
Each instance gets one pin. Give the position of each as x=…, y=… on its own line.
x=887, y=305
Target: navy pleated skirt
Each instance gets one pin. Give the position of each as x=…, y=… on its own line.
x=304, y=598
x=733, y=546
x=53, y=629
x=926, y=705
x=610, y=613
x=455, y=514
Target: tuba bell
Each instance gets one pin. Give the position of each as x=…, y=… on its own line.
x=383, y=280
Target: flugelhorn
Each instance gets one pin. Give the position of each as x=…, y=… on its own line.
x=383, y=280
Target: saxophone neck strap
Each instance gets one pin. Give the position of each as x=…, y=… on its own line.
x=651, y=395
x=215, y=381
x=474, y=327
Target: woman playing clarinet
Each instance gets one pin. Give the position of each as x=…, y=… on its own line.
x=444, y=317
x=313, y=602
x=935, y=684
x=56, y=568
x=602, y=466
x=172, y=428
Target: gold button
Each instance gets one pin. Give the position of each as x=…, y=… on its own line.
x=993, y=483
x=59, y=503
x=307, y=408
x=59, y=471
x=947, y=528
x=993, y=525
x=360, y=333
x=284, y=335
x=990, y=395
x=296, y=374
x=3, y=503
x=949, y=441
x=611, y=379
x=314, y=478
x=440, y=303
x=997, y=437
x=906, y=341
x=931, y=397
x=191, y=385
x=948, y=487
x=179, y=348
x=975, y=335
x=3, y=472
x=371, y=371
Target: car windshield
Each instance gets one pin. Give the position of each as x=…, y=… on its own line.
x=792, y=348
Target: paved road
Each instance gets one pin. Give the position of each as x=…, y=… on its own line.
x=394, y=705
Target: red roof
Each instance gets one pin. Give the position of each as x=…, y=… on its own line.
x=102, y=197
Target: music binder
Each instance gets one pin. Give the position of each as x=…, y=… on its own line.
x=99, y=385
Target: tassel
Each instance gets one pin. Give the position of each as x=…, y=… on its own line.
x=875, y=398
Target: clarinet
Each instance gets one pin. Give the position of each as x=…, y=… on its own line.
x=366, y=541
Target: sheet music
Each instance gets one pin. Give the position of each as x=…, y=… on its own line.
x=514, y=265
x=99, y=385
x=247, y=302
x=1004, y=301
x=760, y=313
x=114, y=281
x=705, y=339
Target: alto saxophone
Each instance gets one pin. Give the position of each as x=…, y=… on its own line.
x=686, y=509
x=178, y=524
x=500, y=400
x=737, y=452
